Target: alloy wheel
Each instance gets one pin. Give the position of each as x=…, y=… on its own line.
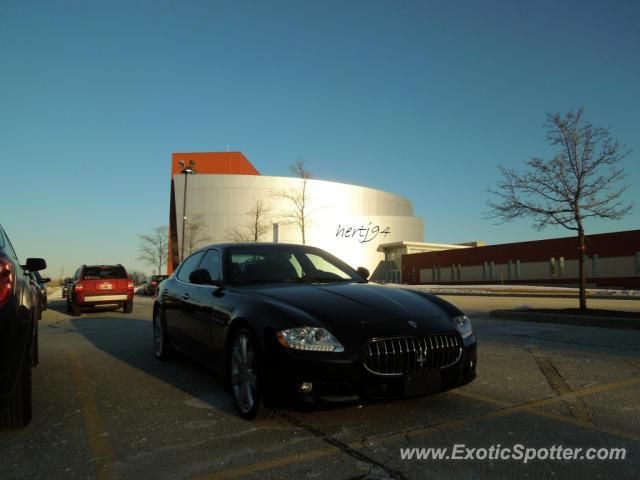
x=244, y=379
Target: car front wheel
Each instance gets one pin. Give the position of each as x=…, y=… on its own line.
x=245, y=375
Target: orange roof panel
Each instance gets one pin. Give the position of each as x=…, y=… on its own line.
x=214, y=163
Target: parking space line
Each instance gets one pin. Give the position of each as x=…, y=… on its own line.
x=482, y=398
x=580, y=423
x=560, y=386
x=585, y=392
x=406, y=434
x=102, y=455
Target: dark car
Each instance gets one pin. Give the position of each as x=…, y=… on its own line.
x=152, y=282
x=65, y=286
x=291, y=322
x=18, y=335
x=97, y=286
x=42, y=287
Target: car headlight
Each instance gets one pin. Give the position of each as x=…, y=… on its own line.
x=312, y=339
x=463, y=325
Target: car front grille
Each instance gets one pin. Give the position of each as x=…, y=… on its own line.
x=402, y=355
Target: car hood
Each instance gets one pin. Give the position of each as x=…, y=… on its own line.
x=349, y=308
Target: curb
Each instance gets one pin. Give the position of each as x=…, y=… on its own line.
x=580, y=320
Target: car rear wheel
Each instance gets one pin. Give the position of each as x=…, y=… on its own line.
x=245, y=375
x=15, y=411
x=161, y=347
x=128, y=307
x=75, y=310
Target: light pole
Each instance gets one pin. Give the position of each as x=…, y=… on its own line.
x=188, y=170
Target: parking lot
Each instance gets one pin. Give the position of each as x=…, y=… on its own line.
x=105, y=408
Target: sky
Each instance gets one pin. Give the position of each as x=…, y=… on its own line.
x=423, y=99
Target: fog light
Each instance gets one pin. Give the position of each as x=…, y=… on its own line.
x=305, y=387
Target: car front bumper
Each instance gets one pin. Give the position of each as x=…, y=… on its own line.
x=335, y=378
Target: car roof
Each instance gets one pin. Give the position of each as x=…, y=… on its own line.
x=224, y=246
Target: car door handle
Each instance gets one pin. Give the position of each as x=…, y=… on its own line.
x=186, y=296
x=165, y=290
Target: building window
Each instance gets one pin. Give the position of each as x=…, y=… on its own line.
x=637, y=270
x=552, y=266
x=509, y=267
x=596, y=265
x=491, y=270
x=459, y=272
x=561, y=266
x=433, y=273
x=438, y=271
x=517, y=268
x=484, y=271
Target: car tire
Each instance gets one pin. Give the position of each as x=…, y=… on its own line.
x=161, y=343
x=245, y=375
x=128, y=307
x=68, y=304
x=16, y=410
x=75, y=310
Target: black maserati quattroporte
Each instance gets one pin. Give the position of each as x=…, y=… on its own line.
x=292, y=322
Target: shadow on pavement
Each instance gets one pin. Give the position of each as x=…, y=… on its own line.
x=130, y=340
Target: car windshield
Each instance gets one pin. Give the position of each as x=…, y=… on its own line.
x=272, y=263
x=103, y=272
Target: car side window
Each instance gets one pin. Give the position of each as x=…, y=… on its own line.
x=211, y=262
x=188, y=266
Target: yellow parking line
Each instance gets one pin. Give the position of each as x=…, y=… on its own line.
x=482, y=398
x=585, y=392
x=101, y=452
x=582, y=423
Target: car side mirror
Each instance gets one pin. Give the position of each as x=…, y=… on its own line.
x=363, y=272
x=36, y=264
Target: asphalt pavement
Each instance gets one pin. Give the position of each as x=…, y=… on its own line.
x=105, y=408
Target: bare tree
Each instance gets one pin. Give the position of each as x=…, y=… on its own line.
x=254, y=231
x=153, y=249
x=194, y=234
x=581, y=181
x=137, y=277
x=298, y=199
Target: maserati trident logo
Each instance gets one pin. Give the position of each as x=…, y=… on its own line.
x=422, y=358
x=413, y=324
